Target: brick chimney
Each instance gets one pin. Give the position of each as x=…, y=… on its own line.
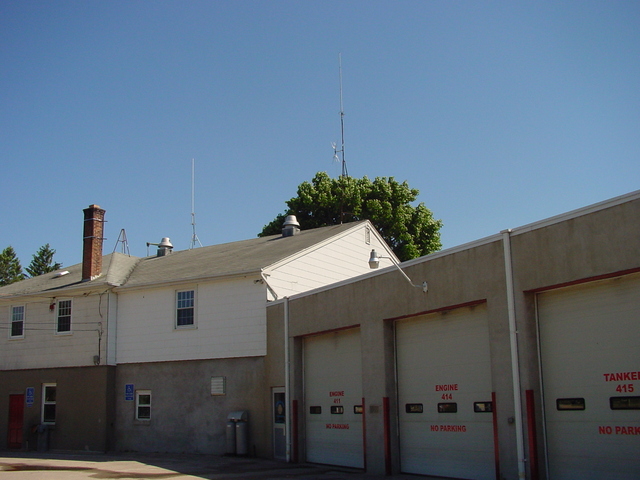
x=92, y=242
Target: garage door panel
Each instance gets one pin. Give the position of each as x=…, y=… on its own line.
x=333, y=378
x=439, y=460
x=445, y=359
x=590, y=349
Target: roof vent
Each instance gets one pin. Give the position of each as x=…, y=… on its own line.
x=291, y=226
x=164, y=247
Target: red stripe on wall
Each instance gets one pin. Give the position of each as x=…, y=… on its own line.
x=364, y=435
x=294, y=431
x=496, y=448
x=533, y=438
x=387, y=435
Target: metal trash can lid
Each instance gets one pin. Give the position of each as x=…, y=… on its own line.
x=239, y=416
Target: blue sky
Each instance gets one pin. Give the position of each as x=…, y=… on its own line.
x=501, y=113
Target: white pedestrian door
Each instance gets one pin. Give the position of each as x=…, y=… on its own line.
x=333, y=399
x=590, y=348
x=279, y=423
x=444, y=394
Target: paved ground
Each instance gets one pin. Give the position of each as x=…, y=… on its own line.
x=51, y=466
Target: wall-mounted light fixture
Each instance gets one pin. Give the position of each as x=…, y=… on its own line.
x=374, y=262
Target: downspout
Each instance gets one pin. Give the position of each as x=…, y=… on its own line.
x=271, y=290
x=515, y=365
x=287, y=394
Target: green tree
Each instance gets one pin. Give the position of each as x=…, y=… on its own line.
x=410, y=231
x=42, y=262
x=10, y=268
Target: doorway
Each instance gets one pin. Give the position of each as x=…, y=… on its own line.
x=279, y=423
x=16, y=421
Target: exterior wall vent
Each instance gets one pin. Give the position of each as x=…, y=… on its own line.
x=291, y=226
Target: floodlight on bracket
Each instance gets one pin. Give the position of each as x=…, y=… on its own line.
x=374, y=262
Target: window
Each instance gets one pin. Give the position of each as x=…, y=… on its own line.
x=624, y=403
x=413, y=408
x=49, y=403
x=447, y=408
x=17, y=322
x=570, y=404
x=143, y=405
x=483, y=407
x=64, y=316
x=185, y=308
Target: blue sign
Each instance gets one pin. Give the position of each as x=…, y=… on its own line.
x=30, y=396
x=129, y=390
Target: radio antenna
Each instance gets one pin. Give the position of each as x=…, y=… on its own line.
x=122, y=238
x=194, y=236
x=335, y=148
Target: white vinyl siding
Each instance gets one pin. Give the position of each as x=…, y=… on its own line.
x=590, y=350
x=231, y=323
x=339, y=259
x=43, y=346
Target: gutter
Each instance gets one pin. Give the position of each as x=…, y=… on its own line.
x=271, y=290
x=186, y=281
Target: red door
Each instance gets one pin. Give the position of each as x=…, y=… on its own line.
x=16, y=418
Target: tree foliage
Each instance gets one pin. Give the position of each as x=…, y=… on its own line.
x=410, y=231
x=10, y=268
x=42, y=262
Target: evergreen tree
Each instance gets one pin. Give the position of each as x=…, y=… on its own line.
x=42, y=262
x=410, y=231
x=10, y=268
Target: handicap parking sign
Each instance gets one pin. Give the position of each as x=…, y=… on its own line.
x=128, y=392
x=30, y=394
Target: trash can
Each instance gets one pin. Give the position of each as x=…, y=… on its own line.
x=238, y=433
x=43, y=437
x=231, y=437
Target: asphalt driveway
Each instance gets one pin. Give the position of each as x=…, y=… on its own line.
x=60, y=466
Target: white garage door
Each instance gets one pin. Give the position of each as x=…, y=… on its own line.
x=333, y=399
x=590, y=347
x=444, y=394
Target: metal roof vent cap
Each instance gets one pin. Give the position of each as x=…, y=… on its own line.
x=164, y=247
x=291, y=226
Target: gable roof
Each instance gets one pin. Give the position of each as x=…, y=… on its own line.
x=116, y=268
x=229, y=259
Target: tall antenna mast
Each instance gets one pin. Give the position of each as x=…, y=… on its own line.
x=335, y=150
x=344, y=163
x=194, y=236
